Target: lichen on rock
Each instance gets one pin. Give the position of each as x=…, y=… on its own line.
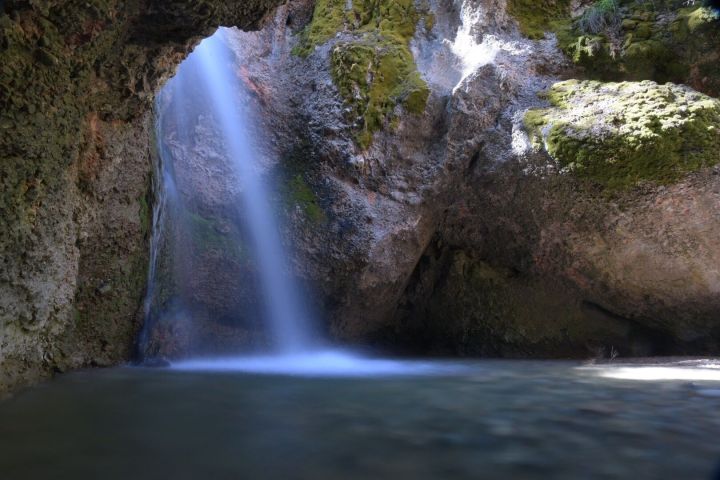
x=535, y=17
x=619, y=134
x=614, y=40
x=374, y=71
x=299, y=194
x=661, y=41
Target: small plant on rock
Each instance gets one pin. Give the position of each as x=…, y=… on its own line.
x=602, y=17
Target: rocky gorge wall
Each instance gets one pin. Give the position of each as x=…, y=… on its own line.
x=435, y=201
x=482, y=224
x=579, y=242
x=76, y=89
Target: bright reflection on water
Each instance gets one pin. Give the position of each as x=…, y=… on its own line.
x=695, y=370
x=327, y=363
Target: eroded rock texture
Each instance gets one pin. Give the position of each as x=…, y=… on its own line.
x=429, y=210
x=462, y=228
x=76, y=86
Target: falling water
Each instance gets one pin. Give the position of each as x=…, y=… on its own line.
x=211, y=91
x=162, y=187
x=473, y=53
x=285, y=311
x=211, y=69
x=205, y=94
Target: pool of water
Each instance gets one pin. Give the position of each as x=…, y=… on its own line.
x=230, y=419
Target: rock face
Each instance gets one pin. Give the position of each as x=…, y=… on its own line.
x=562, y=269
x=204, y=297
x=77, y=82
x=618, y=134
x=596, y=247
x=473, y=227
x=665, y=40
x=470, y=204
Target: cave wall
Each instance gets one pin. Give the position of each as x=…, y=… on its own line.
x=560, y=269
x=536, y=257
x=469, y=237
x=429, y=229
x=77, y=82
x=451, y=230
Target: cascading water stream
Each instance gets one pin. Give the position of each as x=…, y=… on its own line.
x=208, y=93
x=211, y=71
x=162, y=187
x=205, y=94
x=285, y=310
x=471, y=53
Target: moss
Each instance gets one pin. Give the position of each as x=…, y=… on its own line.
x=614, y=40
x=640, y=40
x=618, y=134
x=145, y=215
x=593, y=52
x=375, y=75
x=299, y=193
x=46, y=90
x=430, y=21
x=693, y=21
x=329, y=18
x=397, y=19
x=375, y=71
x=535, y=17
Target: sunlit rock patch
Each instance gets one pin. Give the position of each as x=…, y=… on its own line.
x=373, y=67
x=619, y=134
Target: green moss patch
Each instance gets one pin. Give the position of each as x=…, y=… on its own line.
x=375, y=71
x=374, y=75
x=641, y=40
x=615, y=40
x=535, y=17
x=298, y=192
x=329, y=18
x=619, y=134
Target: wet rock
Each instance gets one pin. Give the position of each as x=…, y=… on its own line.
x=77, y=84
x=104, y=289
x=443, y=231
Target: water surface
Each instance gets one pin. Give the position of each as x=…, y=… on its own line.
x=485, y=419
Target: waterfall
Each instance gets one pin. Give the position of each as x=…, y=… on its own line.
x=285, y=311
x=206, y=93
x=162, y=187
x=206, y=125
x=205, y=98
x=473, y=53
